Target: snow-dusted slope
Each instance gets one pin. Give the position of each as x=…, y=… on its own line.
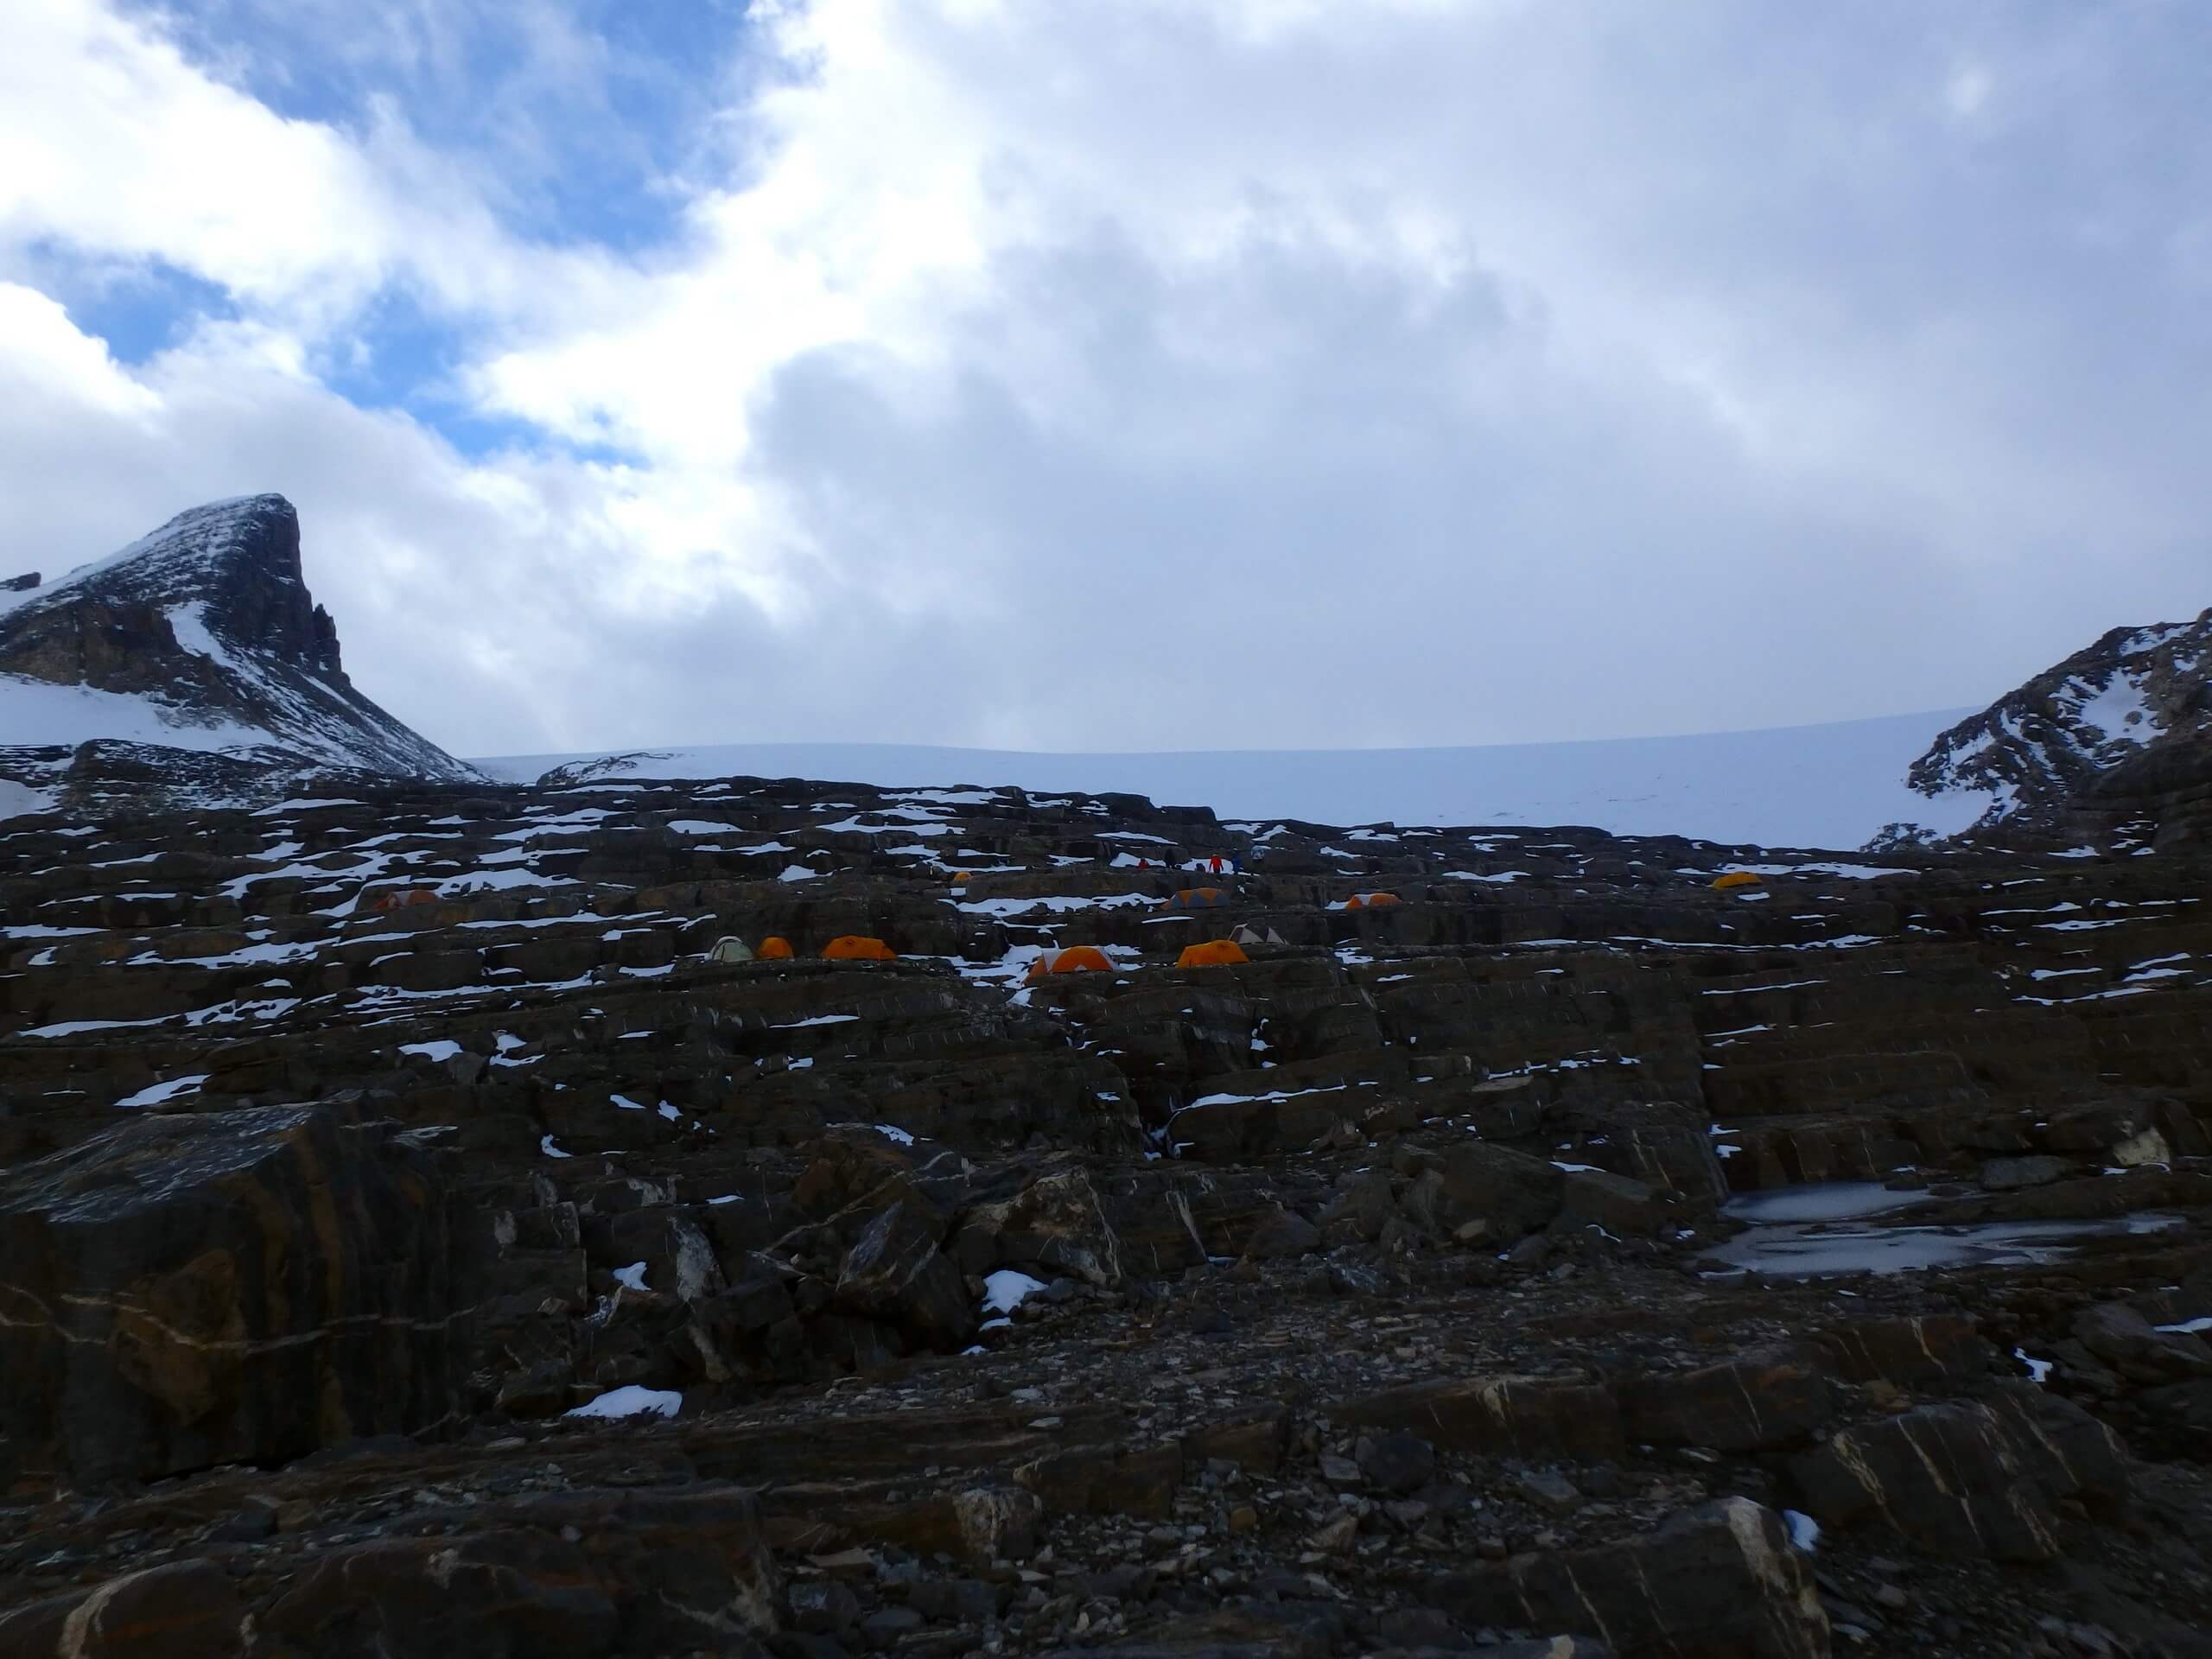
x=2047, y=744
x=1830, y=786
x=201, y=637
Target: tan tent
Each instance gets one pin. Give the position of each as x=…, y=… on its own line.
x=730, y=948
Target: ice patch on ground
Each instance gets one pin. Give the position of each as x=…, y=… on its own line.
x=632, y=1400
x=1005, y=1290
x=155, y=1093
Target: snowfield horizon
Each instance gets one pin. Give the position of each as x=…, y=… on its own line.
x=1833, y=786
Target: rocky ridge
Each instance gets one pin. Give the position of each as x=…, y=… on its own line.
x=413, y=1240
x=2113, y=746
x=192, y=665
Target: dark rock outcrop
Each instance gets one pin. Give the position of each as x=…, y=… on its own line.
x=188, y=1290
x=1725, y=1570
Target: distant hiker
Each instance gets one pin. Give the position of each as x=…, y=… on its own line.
x=1213, y=865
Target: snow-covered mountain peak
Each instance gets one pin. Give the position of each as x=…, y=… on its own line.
x=2049, y=743
x=202, y=637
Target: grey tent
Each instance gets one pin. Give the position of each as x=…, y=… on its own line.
x=1248, y=934
x=729, y=948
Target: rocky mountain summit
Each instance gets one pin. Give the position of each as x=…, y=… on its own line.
x=435, y=1220
x=194, y=658
x=2113, y=745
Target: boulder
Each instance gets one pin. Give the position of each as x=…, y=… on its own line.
x=895, y=1273
x=1281, y=1235
x=1622, y=1205
x=1967, y=1480
x=184, y=1610
x=1130, y=1480
x=2011, y=1174
x=1762, y=1401
x=1720, y=1582
x=575, y=1576
x=1498, y=1416
x=1909, y=1352
x=1511, y=1191
x=2138, y=1350
x=220, y=1287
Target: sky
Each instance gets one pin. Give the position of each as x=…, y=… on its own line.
x=1130, y=374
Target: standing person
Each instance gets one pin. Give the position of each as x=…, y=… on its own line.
x=1213, y=865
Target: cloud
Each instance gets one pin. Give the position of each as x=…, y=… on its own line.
x=1164, y=373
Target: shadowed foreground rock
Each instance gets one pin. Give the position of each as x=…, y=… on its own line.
x=583, y=1575
x=1725, y=1572
x=235, y=1286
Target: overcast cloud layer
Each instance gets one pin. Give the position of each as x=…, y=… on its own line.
x=1131, y=373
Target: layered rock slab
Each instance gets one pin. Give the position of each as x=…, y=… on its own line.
x=242, y=1286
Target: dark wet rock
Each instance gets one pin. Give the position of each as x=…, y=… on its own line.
x=1911, y=1351
x=823, y=1606
x=1508, y=1190
x=2123, y=1340
x=580, y=1572
x=1395, y=1461
x=1621, y=1205
x=185, y=1609
x=1282, y=1235
x=1725, y=1570
x=1967, y=1479
x=181, y=1291
x=1510, y=1416
x=1764, y=1402
x=895, y=1273
x=1136, y=1481
x=2008, y=1174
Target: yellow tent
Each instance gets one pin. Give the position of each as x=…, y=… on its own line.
x=1214, y=953
x=1735, y=879
x=774, y=948
x=854, y=947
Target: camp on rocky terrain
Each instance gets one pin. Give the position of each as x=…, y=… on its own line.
x=626, y=1216
x=1362, y=1295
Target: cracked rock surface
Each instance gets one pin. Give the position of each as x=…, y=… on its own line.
x=411, y=1242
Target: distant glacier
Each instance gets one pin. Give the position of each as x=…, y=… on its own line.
x=1832, y=786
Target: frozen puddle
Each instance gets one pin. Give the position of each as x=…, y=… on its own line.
x=1808, y=1232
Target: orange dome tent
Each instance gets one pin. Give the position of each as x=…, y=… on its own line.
x=774, y=948
x=854, y=947
x=401, y=898
x=1198, y=899
x=1076, y=959
x=1214, y=953
x=1372, y=901
x=1735, y=879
